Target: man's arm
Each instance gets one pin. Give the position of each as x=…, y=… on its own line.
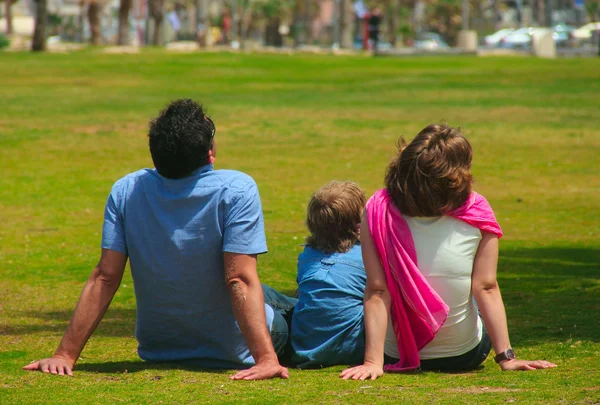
x=95, y=298
x=249, y=309
x=489, y=300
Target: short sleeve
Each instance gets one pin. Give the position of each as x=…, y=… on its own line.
x=113, y=230
x=244, y=224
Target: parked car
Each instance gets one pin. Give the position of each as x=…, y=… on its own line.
x=495, y=38
x=584, y=33
x=561, y=34
x=522, y=38
x=430, y=41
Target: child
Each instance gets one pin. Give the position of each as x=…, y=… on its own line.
x=327, y=324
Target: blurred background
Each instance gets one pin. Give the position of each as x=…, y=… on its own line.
x=386, y=26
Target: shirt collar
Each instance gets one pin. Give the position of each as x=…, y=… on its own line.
x=201, y=169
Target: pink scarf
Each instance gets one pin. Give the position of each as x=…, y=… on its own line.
x=418, y=312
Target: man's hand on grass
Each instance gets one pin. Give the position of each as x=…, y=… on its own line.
x=262, y=371
x=55, y=365
x=525, y=365
x=362, y=372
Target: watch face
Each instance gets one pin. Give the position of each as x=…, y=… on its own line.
x=508, y=354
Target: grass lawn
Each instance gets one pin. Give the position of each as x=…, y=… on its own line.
x=70, y=125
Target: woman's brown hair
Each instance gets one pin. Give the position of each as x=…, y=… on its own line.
x=333, y=216
x=431, y=176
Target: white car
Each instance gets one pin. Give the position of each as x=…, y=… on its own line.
x=522, y=38
x=585, y=32
x=495, y=38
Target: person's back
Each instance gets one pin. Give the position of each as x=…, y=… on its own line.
x=327, y=324
x=176, y=231
x=430, y=246
x=192, y=236
x=446, y=249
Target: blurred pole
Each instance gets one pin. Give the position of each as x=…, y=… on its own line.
x=520, y=13
x=419, y=16
x=234, y=25
x=198, y=18
x=307, y=22
x=548, y=13
x=296, y=24
x=465, y=15
x=337, y=21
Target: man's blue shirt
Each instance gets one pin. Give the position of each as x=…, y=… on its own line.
x=175, y=233
x=327, y=324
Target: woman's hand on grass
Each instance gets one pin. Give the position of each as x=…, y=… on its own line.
x=55, y=365
x=525, y=365
x=362, y=372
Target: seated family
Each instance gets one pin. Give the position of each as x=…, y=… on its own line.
x=192, y=236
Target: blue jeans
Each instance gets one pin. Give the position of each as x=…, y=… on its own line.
x=464, y=362
x=283, y=308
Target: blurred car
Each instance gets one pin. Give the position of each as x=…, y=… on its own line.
x=585, y=32
x=495, y=38
x=561, y=34
x=522, y=38
x=430, y=41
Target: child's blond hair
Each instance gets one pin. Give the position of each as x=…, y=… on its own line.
x=333, y=216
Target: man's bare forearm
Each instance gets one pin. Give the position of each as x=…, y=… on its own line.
x=95, y=298
x=248, y=307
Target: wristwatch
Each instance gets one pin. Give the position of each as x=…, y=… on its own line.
x=508, y=354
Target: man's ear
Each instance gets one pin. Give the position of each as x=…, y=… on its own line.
x=212, y=155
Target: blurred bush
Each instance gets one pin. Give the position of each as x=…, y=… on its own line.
x=4, y=41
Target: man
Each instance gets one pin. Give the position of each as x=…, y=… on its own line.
x=192, y=235
x=374, y=23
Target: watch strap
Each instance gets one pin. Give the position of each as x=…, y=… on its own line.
x=508, y=354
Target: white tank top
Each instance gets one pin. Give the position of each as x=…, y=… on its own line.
x=446, y=249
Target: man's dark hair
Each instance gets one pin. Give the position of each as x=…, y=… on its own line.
x=180, y=138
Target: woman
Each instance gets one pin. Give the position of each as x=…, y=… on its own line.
x=430, y=249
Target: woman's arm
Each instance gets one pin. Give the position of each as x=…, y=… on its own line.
x=487, y=294
x=377, y=309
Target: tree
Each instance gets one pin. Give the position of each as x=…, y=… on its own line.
x=156, y=9
x=123, y=32
x=346, y=24
x=8, y=15
x=38, y=42
x=93, y=14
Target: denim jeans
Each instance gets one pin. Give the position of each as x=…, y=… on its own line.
x=283, y=308
x=464, y=362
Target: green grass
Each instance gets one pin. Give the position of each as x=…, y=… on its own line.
x=70, y=125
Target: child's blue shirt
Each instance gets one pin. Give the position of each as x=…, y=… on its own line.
x=327, y=324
